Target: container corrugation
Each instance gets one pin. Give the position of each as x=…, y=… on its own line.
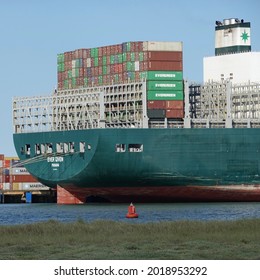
x=6, y=178
x=165, y=75
x=165, y=65
x=174, y=104
x=165, y=95
x=167, y=56
x=22, y=178
x=156, y=104
x=174, y=113
x=162, y=46
x=19, y=171
x=7, y=162
x=165, y=85
x=156, y=113
x=29, y=186
x=6, y=186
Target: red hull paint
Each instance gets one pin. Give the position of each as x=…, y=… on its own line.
x=245, y=193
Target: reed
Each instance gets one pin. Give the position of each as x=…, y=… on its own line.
x=119, y=240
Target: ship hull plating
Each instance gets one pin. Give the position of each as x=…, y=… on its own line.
x=147, y=164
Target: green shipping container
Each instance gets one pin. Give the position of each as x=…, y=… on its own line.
x=143, y=75
x=60, y=58
x=141, y=56
x=104, y=59
x=165, y=85
x=65, y=84
x=124, y=57
x=104, y=70
x=96, y=61
x=86, y=82
x=61, y=67
x=132, y=56
x=94, y=52
x=165, y=95
x=69, y=74
x=165, y=75
x=73, y=82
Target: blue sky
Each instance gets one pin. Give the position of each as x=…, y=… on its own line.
x=34, y=32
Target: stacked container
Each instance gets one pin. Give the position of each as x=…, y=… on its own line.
x=15, y=177
x=160, y=63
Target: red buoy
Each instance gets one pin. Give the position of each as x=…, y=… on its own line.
x=131, y=212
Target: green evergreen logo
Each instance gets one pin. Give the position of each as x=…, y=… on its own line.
x=244, y=36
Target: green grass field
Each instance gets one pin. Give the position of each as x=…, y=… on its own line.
x=117, y=240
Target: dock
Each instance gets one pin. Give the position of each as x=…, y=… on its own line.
x=28, y=196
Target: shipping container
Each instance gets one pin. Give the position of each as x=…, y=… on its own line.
x=165, y=85
x=164, y=65
x=174, y=104
x=164, y=56
x=165, y=75
x=156, y=104
x=162, y=46
x=174, y=114
x=22, y=178
x=165, y=95
x=156, y=113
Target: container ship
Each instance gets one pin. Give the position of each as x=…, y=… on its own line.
x=124, y=126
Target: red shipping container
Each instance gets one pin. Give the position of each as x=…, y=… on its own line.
x=156, y=104
x=174, y=104
x=2, y=157
x=174, y=114
x=6, y=163
x=164, y=56
x=6, y=178
x=22, y=178
x=164, y=66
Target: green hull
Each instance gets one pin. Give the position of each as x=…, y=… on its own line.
x=172, y=159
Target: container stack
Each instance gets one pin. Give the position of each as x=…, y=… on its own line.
x=15, y=177
x=160, y=63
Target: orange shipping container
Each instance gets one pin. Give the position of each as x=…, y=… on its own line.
x=174, y=114
x=164, y=56
x=22, y=178
x=164, y=66
x=156, y=104
x=174, y=104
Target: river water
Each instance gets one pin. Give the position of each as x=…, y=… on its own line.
x=12, y=214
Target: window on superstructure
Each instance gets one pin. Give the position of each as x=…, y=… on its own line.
x=27, y=149
x=49, y=148
x=59, y=147
x=37, y=149
x=66, y=147
x=82, y=147
x=43, y=149
x=120, y=148
x=135, y=148
x=71, y=147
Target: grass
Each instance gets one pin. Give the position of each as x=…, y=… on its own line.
x=117, y=240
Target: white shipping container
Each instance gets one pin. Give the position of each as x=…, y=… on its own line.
x=162, y=46
x=29, y=186
x=19, y=171
x=136, y=65
x=88, y=62
x=6, y=186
